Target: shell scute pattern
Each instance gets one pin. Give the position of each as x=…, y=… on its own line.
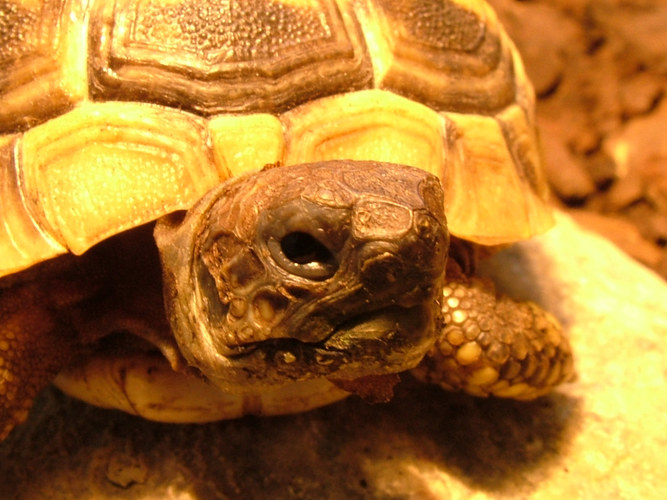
x=251, y=56
x=274, y=82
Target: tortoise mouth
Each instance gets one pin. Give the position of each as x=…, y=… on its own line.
x=386, y=340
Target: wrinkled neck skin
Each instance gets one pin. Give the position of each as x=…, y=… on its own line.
x=332, y=269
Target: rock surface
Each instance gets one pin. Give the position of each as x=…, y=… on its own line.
x=602, y=436
x=599, y=68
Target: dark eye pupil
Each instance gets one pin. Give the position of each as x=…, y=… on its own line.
x=302, y=248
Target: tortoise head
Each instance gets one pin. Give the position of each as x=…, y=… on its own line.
x=329, y=269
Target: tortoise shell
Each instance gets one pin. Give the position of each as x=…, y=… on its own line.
x=113, y=114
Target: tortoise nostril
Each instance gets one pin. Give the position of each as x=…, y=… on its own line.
x=382, y=271
x=302, y=248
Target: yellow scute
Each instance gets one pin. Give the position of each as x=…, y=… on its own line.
x=107, y=167
x=487, y=199
x=370, y=125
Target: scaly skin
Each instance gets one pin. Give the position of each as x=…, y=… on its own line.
x=36, y=341
x=493, y=345
x=52, y=314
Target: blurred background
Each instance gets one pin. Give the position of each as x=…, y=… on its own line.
x=599, y=68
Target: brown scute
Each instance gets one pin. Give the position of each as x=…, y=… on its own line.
x=16, y=25
x=33, y=85
x=448, y=56
x=253, y=56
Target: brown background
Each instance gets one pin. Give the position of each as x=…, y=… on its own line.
x=600, y=71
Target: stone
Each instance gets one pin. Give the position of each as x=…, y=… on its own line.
x=543, y=36
x=567, y=177
x=640, y=145
x=602, y=436
x=640, y=93
x=639, y=28
x=624, y=192
x=623, y=233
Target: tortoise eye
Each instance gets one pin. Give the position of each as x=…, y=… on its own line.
x=302, y=248
x=303, y=255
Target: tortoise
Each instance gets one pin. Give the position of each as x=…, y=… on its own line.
x=216, y=208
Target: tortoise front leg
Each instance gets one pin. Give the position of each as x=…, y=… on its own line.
x=36, y=341
x=493, y=345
